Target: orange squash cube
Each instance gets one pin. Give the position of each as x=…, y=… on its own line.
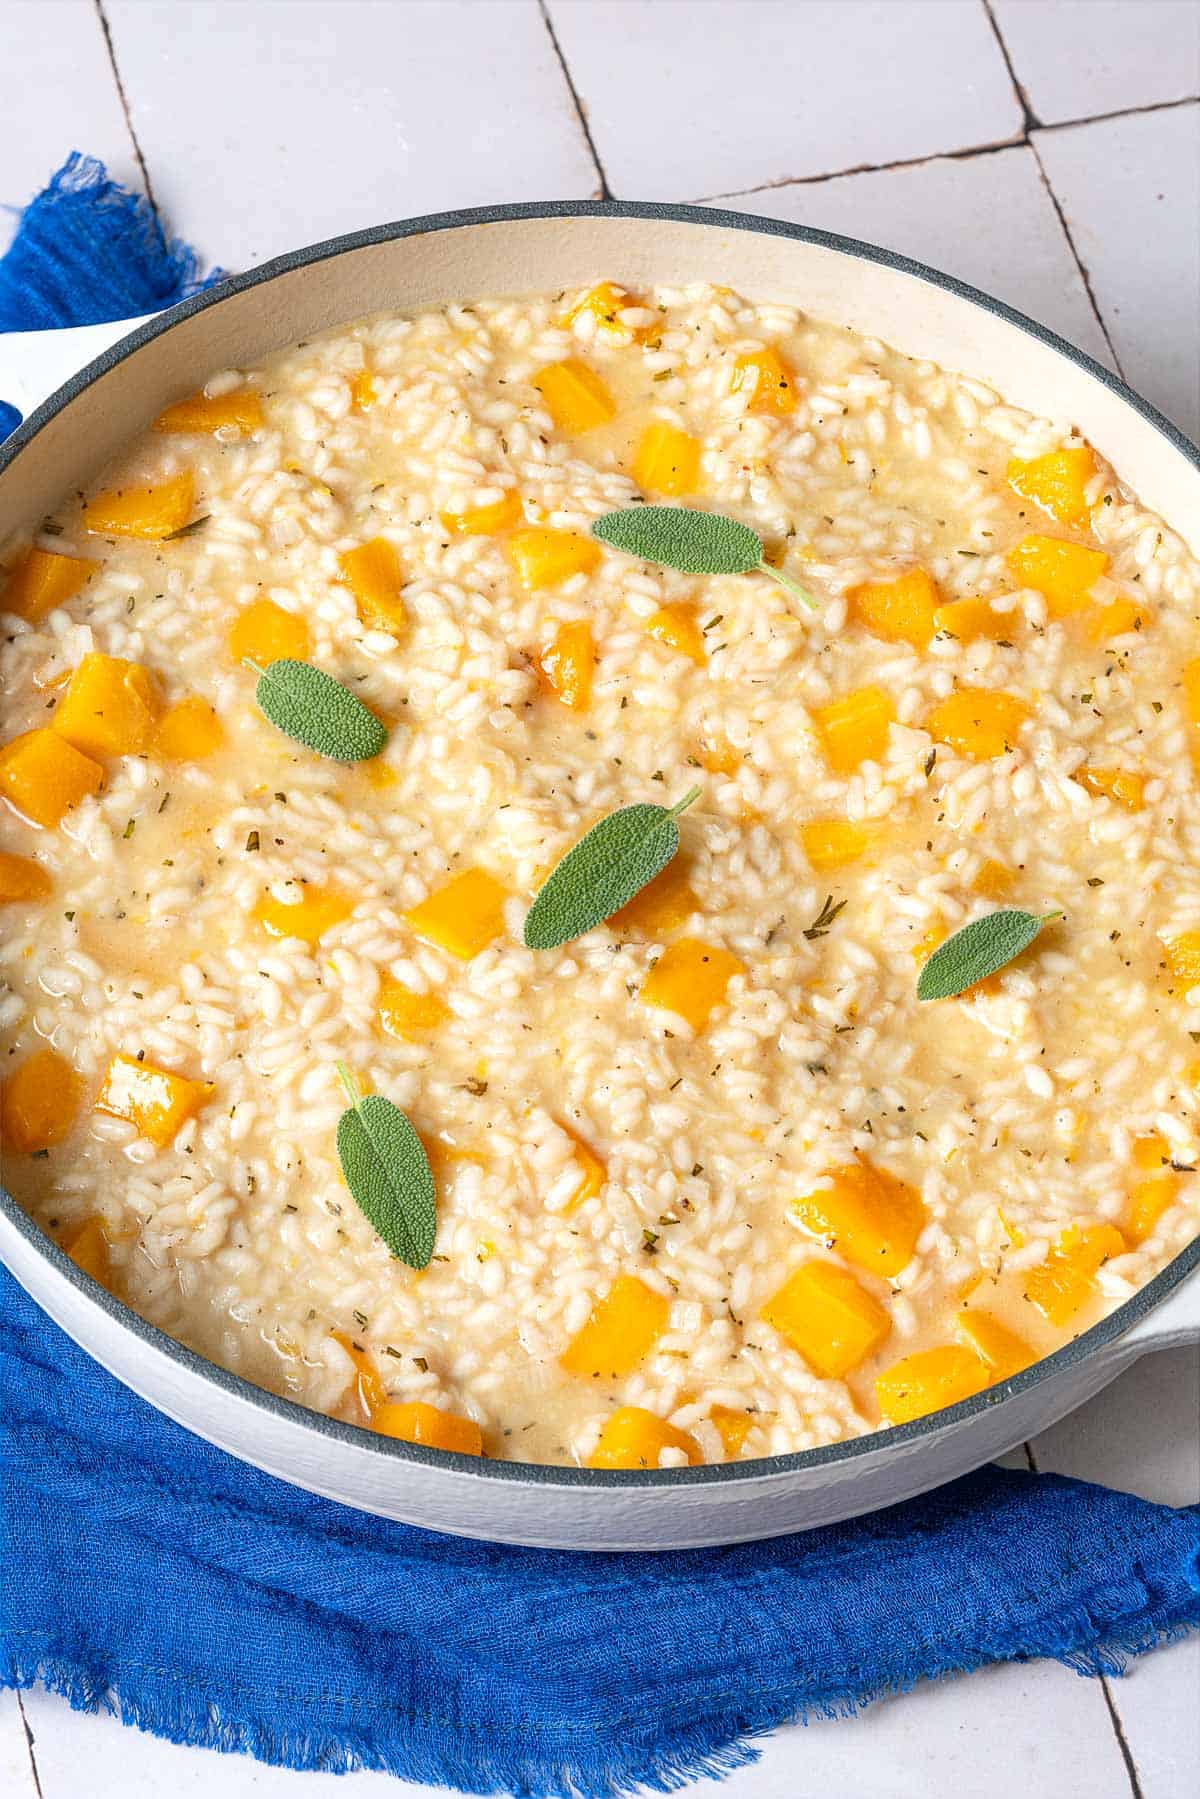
x=771, y=382
x=264, y=633
x=827, y=1317
x=993, y=881
x=42, y=776
x=363, y=392
x=308, y=918
x=109, y=709
x=22, y=879
x=623, y=1328
x=1117, y=619
x=635, y=1438
x=831, y=843
x=486, y=521
x=689, y=979
x=927, y=1382
x=542, y=558
x=662, y=906
x=1065, y=1281
x=188, y=731
x=592, y=1172
x=576, y=398
x=158, y=1102
x=1056, y=482
x=1063, y=572
x=369, y=1390
x=855, y=728
x=39, y=1103
x=604, y=303
x=238, y=410
x=374, y=576
x=403, y=1013
x=1182, y=955
x=568, y=665
x=667, y=460
x=981, y=723
x=1001, y=1349
x=965, y=620
x=147, y=512
x=1121, y=785
x=88, y=1249
x=676, y=626
x=869, y=1216
x=40, y=581
x=462, y=917
x=1148, y=1200
x=732, y=1427
x=902, y=610
x=429, y=1425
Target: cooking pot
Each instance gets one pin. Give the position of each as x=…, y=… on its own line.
x=137, y=368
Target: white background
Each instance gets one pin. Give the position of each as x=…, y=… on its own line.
x=1046, y=150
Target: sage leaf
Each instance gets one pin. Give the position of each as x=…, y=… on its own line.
x=388, y=1172
x=317, y=711
x=978, y=950
x=604, y=871
x=696, y=543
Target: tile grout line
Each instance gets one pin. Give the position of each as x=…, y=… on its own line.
x=122, y=96
x=33, y=1767
x=605, y=192
x=1084, y=272
x=1114, y=1717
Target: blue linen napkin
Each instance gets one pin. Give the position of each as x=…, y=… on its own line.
x=144, y=1571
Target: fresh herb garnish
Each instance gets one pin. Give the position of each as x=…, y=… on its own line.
x=188, y=530
x=388, y=1172
x=978, y=950
x=825, y=917
x=696, y=543
x=604, y=871
x=317, y=711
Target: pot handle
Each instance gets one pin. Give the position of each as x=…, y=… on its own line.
x=1176, y=1321
x=33, y=364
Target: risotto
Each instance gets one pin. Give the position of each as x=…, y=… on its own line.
x=712, y=1182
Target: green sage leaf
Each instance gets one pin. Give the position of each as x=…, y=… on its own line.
x=388, y=1172
x=603, y=872
x=696, y=543
x=981, y=948
x=318, y=711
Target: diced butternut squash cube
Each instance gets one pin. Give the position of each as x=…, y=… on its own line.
x=635, y=1438
x=771, y=382
x=369, y=1390
x=415, y=1422
x=462, y=917
x=1191, y=690
x=855, y=728
x=1182, y=955
x=719, y=757
x=486, y=521
x=147, y=512
x=1121, y=785
x=1004, y=1353
x=374, y=576
x=42, y=776
x=1065, y=1281
x=188, y=731
x=404, y=1013
x=40, y=581
x=869, y=1216
x=662, y=906
x=928, y=1381
x=622, y=1330
x=968, y=619
x=667, y=460
x=22, y=879
x=827, y=1317
x=1063, y=572
x=153, y=1099
x=317, y=911
x=238, y=410
x=1151, y=1154
x=39, y=1103
x=592, y=1172
x=88, y=1249
x=901, y=610
x=1057, y=482
x=732, y=1427
x=978, y=722
x=1117, y=619
x=604, y=303
x=576, y=398
x=993, y=880
x=568, y=665
x=264, y=633
x=676, y=626
x=1149, y=1198
x=831, y=843
x=689, y=979
x=542, y=558
x=363, y=392
x=109, y=709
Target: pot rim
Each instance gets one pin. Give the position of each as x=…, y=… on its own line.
x=1071, y=1355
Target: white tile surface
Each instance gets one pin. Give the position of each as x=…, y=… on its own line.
x=689, y=100
x=1130, y=191
x=268, y=124
x=932, y=212
x=16, y=1775
x=1075, y=58
x=58, y=96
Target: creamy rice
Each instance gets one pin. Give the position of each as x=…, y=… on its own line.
x=1024, y=1116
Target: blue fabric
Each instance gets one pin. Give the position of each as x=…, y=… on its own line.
x=144, y=1571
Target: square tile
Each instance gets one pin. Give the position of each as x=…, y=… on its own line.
x=1075, y=58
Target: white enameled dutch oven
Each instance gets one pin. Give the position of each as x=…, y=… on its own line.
x=138, y=368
